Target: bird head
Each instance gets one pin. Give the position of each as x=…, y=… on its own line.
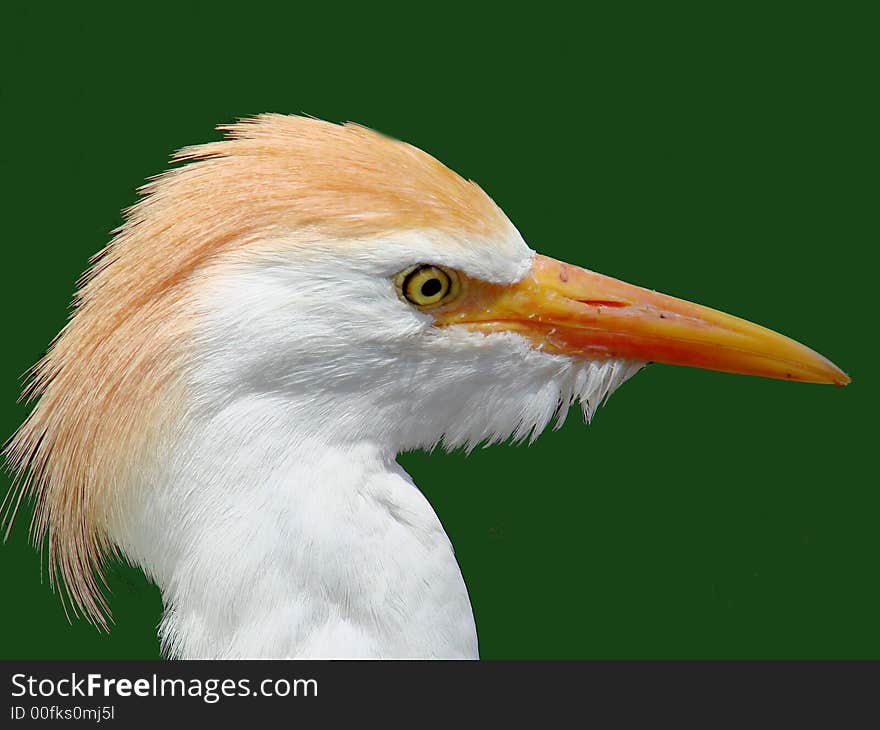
x=359, y=289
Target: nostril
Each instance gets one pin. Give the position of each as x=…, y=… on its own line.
x=604, y=302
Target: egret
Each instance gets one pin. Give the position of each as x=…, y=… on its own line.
x=279, y=316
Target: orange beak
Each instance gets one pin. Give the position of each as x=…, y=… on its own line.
x=567, y=310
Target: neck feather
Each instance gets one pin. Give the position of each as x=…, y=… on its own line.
x=267, y=542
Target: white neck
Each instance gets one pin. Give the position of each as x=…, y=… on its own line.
x=267, y=543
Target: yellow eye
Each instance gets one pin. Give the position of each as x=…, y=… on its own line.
x=427, y=286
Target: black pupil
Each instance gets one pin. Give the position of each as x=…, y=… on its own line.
x=431, y=287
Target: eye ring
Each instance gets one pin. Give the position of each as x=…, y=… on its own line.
x=427, y=286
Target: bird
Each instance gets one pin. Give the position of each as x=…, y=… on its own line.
x=281, y=314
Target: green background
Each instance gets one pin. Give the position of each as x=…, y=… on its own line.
x=725, y=154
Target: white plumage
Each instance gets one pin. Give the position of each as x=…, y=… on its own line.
x=296, y=531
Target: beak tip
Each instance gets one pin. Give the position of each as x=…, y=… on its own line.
x=834, y=375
